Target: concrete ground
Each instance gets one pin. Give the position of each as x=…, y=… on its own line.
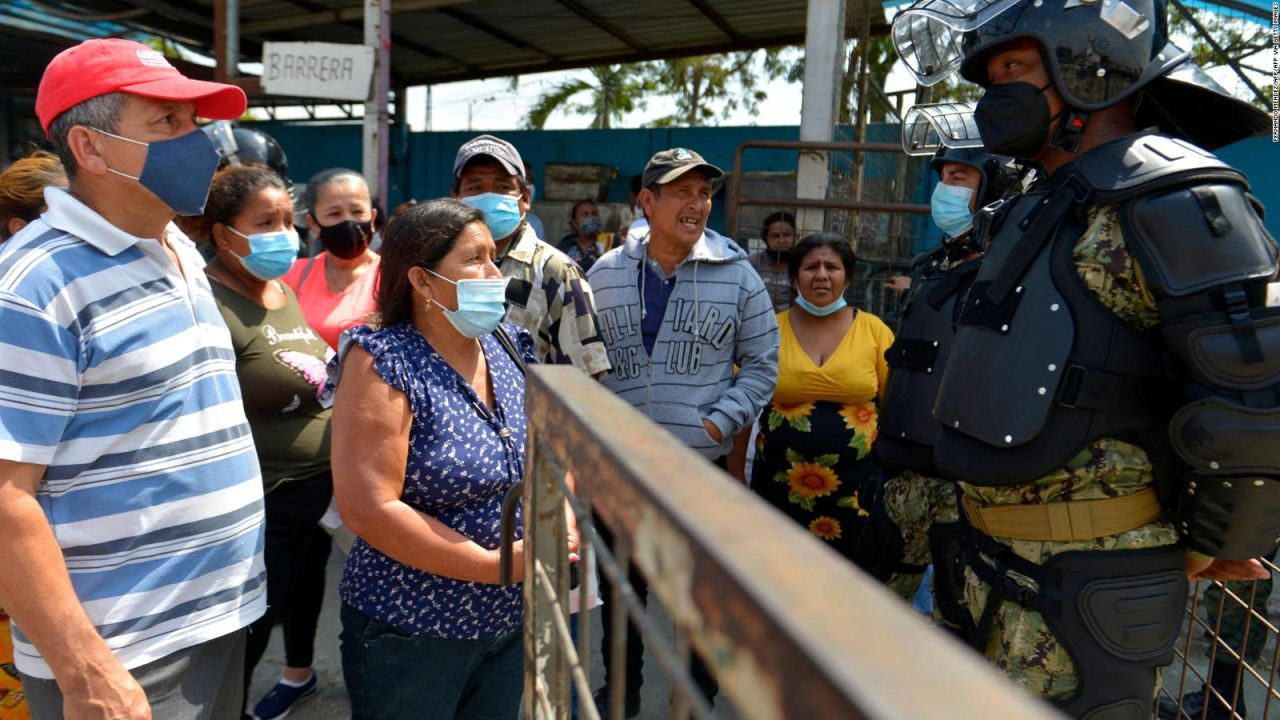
x=330, y=702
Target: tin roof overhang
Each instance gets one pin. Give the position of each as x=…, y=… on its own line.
x=438, y=41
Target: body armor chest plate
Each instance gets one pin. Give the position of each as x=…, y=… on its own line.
x=916, y=361
x=1037, y=375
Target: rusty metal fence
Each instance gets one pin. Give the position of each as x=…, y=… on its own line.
x=787, y=627
x=1227, y=657
x=867, y=202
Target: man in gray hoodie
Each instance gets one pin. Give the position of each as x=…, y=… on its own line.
x=678, y=308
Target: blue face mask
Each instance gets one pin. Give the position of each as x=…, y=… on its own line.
x=836, y=306
x=481, y=305
x=271, y=254
x=501, y=212
x=590, y=226
x=950, y=206
x=178, y=171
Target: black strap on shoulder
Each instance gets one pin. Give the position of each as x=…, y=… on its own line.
x=1039, y=227
x=1219, y=224
x=509, y=344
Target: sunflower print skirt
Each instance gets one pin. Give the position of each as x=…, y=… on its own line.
x=810, y=460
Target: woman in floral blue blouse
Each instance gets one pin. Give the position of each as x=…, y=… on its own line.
x=428, y=433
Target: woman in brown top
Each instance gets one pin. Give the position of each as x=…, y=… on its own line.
x=280, y=363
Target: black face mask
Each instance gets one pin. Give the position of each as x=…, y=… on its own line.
x=347, y=239
x=1013, y=119
x=779, y=256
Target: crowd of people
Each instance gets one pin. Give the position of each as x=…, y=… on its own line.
x=183, y=409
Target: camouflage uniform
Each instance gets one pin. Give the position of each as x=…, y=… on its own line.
x=551, y=299
x=1020, y=644
x=1235, y=618
x=915, y=503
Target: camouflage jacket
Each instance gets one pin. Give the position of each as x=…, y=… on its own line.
x=552, y=300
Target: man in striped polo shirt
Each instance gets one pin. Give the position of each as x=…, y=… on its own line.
x=130, y=494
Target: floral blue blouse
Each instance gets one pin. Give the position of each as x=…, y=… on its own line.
x=458, y=470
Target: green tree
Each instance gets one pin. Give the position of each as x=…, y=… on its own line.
x=708, y=87
x=606, y=94
x=1243, y=43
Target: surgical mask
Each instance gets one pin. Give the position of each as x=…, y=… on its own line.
x=271, y=254
x=179, y=171
x=501, y=212
x=837, y=305
x=950, y=208
x=1013, y=119
x=481, y=305
x=347, y=239
x=589, y=226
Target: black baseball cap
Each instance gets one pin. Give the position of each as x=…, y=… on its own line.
x=670, y=164
x=489, y=146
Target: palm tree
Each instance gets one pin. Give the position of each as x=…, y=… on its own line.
x=614, y=90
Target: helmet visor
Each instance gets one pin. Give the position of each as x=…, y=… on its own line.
x=927, y=127
x=928, y=34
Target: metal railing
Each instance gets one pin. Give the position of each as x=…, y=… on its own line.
x=1229, y=651
x=787, y=626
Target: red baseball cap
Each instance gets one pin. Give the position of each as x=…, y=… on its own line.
x=98, y=67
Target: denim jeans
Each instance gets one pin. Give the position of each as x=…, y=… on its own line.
x=390, y=674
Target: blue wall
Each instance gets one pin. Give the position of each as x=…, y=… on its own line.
x=1257, y=157
x=422, y=163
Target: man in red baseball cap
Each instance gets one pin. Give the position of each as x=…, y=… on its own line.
x=130, y=492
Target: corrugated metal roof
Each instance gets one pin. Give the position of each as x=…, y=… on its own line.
x=436, y=41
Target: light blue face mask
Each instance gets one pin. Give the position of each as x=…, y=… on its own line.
x=501, y=212
x=271, y=254
x=950, y=209
x=835, y=306
x=481, y=305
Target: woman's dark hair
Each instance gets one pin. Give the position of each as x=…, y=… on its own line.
x=821, y=240
x=781, y=215
x=573, y=212
x=419, y=237
x=233, y=187
x=324, y=177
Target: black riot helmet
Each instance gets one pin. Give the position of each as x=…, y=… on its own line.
x=248, y=145
x=1096, y=52
x=255, y=146
x=998, y=175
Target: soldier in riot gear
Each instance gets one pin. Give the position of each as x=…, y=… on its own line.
x=1110, y=403
x=915, y=515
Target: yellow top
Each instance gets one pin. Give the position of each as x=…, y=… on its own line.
x=855, y=373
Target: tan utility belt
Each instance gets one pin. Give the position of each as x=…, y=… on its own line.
x=1063, y=521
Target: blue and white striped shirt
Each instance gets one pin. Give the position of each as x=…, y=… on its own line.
x=118, y=375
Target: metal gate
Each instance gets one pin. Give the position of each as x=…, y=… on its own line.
x=787, y=626
x=1229, y=651
x=866, y=202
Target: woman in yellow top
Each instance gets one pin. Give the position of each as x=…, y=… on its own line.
x=814, y=447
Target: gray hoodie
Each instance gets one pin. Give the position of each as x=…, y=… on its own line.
x=719, y=315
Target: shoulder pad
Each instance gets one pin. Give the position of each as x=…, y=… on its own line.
x=1145, y=163
x=1191, y=238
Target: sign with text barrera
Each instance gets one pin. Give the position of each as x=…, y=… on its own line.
x=320, y=70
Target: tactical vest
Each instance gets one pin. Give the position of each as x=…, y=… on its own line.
x=916, y=360
x=1040, y=367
